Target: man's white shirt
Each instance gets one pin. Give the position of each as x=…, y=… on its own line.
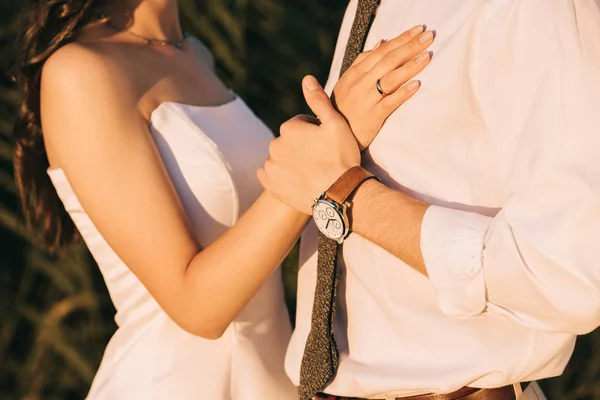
x=503, y=139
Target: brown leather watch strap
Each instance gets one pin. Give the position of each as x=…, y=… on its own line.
x=347, y=183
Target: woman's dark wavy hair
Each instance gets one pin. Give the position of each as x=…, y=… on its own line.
x=51, y=24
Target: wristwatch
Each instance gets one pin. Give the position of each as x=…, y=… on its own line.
x=330, y=209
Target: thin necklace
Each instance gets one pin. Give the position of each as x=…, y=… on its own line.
x=178, y=44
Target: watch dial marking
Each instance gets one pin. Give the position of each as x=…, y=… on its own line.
x=329, y=220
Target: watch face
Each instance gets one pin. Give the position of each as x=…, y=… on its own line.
x=329, y=220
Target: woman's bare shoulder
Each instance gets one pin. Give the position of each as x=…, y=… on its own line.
x=76, y=64
x=202, y=51
x=78, y=84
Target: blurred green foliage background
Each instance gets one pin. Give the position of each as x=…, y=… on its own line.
x=55, y=314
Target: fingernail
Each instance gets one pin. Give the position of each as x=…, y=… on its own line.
x=379, y=44
x=423, y=58
x=416, y=30
x=412, y=86
x=426, y=37
x=311, y=83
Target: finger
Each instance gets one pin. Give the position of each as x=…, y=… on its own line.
x=262, y=177
x=362, y=56
x=378, y=44
x=319, y=102
x=392, y=81
x=388, y=46
x=274, y=148
x=267, y=169
x=268, y=176
x=293, y=124
x=391, y=103
x=311, y=119
x=400, y=56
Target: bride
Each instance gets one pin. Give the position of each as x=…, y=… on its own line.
x=127, y=136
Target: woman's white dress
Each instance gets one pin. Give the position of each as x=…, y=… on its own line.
x=211, y=155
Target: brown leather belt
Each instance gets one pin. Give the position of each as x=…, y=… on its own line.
x=466, y=393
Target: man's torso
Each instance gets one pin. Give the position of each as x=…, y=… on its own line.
x=467, y=140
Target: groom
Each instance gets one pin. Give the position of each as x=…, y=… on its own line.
x=471, y=260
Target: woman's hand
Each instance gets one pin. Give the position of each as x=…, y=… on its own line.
x=395, y=63
x=311, y=153
x=134, y=205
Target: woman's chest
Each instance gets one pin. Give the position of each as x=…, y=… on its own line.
x=212, y=155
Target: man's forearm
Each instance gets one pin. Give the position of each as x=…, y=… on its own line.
x=391, y=220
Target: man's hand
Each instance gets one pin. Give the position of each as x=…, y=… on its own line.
x=395, y=62
x=310, y=153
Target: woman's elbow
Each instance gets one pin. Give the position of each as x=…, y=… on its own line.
x=207, y=333
x=205, y=326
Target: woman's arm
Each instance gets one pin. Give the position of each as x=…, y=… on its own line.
x=96, y=135
x=94, y=131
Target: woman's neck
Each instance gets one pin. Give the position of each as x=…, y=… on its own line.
x=156, y=19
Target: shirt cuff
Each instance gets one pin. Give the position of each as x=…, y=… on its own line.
x=452, y=247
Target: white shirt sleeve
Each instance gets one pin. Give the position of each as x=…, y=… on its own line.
x=538, y=260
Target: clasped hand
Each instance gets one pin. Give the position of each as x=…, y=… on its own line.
x=312, y=152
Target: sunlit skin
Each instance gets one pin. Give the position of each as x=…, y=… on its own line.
x=97, y=95
x=295, y=172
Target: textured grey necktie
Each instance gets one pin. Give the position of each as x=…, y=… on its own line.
x=320, y=360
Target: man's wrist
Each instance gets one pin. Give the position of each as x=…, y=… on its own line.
x=360, y=198
x=373, y=194
x=347, y=182
x=363, y=189
x=330, y=209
